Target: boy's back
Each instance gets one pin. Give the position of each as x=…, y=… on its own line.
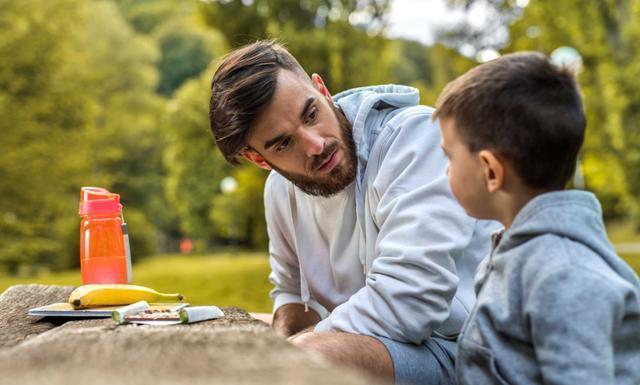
x=555, y=303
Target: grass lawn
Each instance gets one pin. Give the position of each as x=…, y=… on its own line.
x=623, y=232
x=633, y=260
x=217, y=279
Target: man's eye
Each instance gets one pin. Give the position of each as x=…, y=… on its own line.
x=313, y=114
x=283, y=145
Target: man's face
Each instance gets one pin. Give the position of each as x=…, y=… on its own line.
x=465, y=172
x=304, y=137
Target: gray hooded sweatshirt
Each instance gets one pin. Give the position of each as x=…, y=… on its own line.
x=555, y=305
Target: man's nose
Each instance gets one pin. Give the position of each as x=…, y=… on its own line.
x=313, y=143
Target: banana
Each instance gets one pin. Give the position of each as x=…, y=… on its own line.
x=94, y=295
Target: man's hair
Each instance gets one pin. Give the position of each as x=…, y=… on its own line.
x=523, y=107
x=241, y=89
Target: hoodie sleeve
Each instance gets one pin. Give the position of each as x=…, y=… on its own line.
x=285, y=268
x=573, y=313
x=421, y=229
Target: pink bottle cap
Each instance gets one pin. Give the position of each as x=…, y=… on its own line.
x=97, y=200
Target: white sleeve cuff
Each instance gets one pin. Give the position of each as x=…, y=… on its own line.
x=323, y=326
x=286, y=298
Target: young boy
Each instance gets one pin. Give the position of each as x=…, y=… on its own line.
x=555, y=303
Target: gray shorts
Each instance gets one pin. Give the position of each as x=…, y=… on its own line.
x=431, y=363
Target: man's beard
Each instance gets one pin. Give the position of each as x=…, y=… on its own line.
x=338, y=178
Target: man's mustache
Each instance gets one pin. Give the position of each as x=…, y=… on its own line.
x=320, y=159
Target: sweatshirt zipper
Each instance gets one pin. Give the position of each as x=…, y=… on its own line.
x=495, y=240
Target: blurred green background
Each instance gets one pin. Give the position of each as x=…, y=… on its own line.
x=114, y=93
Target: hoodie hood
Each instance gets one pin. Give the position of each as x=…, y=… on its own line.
x=370, y=108
x=571, y=214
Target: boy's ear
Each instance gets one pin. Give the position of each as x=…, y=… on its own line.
x=319, y=84
x=493, y=170
x=254, y=157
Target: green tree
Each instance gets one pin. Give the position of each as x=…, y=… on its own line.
x=146, y=15
x=186, y=51
x=242, y=23
x=124, y=134
x=194, y=166
x=43, y=116
x=78, y=105
x=239, y=215
x=605, y=33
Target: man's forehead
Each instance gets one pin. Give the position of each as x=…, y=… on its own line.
x=292, y=91
x=289, y=99
x=290, y=84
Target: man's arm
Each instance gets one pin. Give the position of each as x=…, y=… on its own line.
x=289, y=315
x=292, y=318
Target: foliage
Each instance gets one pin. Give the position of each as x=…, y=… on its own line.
x=34, y=69
x=194, y=166
x=114, y=93
x=222, y=279
x=242, y=23
x=240, y=214
x=606, y=35
x=65, y=124
x=186, y=52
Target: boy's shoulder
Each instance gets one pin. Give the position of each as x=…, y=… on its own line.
x=551, y=252
x=559, y=266
x=562, y=232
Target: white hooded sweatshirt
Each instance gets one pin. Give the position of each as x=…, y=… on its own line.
x=391, y=255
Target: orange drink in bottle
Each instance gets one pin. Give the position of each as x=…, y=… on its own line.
x=104, y=244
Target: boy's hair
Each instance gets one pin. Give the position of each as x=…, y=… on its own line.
x=526, y=109
x=242, y=88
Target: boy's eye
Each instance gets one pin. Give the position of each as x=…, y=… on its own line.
x=283, y=145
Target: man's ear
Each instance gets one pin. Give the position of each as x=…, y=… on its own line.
x=493, y=170
x=319, y=84
x=254, y=157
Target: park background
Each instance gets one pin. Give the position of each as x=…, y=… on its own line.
x=114, y=93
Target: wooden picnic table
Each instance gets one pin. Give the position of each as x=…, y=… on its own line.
x=235, y=349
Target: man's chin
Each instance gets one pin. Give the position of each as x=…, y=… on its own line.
x=326, y=189
x=325, y=185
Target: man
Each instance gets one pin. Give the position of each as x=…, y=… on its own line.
x=372, y=259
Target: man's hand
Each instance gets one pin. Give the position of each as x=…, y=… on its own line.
x=299, y=335
x=291, y=318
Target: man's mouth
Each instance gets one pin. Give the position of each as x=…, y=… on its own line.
x=330, y=163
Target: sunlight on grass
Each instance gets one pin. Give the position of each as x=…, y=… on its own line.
x=218, y=279
x=634, y=261
x=622, y=231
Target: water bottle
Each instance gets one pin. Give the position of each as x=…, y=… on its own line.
x=104, y=242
